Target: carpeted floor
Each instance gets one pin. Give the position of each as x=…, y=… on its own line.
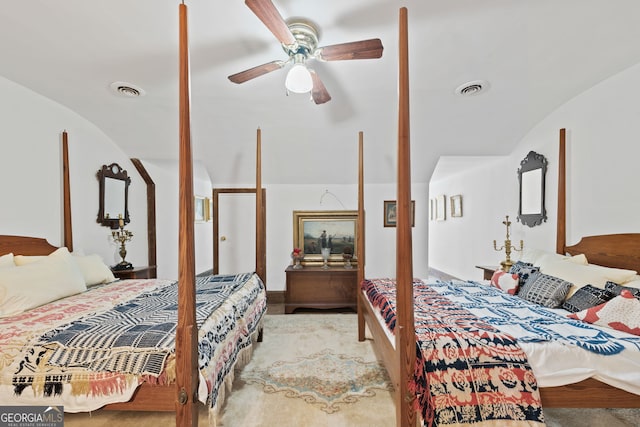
x=312, y=371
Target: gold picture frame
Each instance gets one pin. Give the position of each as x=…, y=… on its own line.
x=334, y=229
x=390, y=213
x=456, y=206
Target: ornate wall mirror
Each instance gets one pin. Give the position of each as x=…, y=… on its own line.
x=114, y=195
x=531, y=175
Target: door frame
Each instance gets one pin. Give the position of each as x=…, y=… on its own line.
x=216, y=225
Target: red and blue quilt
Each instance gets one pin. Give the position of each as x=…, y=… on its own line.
x=467, y=372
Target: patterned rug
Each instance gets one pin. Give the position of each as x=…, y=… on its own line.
x=324, y=379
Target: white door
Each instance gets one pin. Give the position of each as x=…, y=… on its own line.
x=237, y=232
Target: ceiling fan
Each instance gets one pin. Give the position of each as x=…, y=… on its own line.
x=299, y=39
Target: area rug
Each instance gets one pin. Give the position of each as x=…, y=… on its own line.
x=311, y=370
x=325, y=379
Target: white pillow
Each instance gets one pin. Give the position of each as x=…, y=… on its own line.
x=536, y=256
x=7, y=261
x=581, y=275
x=531, y=255
x=51, y=278
x=633, y=283
x=20, y=260
x=94, y=270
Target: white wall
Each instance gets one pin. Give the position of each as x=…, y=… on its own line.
x=31, y=170
x=602, y=172
x=165, y=177
x=31, y=202
x=602, y=155
x=282, y=200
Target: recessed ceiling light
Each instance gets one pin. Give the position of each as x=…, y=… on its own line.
x=127, y=90
x=472, y=88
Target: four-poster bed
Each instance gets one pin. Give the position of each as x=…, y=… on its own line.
x=207, y=330
x=398, y=348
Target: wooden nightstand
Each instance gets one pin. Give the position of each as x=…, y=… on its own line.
x=144, y=272
x=487, y=270
x=313, y=287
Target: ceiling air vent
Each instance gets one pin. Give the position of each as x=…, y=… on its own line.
x=472, y=88
x=127, y=89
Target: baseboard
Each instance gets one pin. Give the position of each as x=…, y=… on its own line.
x=275, y=297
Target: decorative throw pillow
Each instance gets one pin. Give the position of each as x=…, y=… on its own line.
x=523, y=270
x=621, y=313
x=545, y=290
x=616, y=289
x=586, y=297
x=507, y=282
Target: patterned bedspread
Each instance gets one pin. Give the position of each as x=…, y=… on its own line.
x=467, y=372
x=116, y=336
x=531, y=322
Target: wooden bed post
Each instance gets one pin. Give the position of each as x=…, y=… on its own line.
x=561, y=230
x=361, y=230
x=186, y=333
x=405, y=330
x=261, y=247
x=66, y=194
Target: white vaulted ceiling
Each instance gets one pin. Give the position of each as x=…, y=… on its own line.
x=534, y=54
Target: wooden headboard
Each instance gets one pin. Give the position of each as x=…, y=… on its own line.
x=20, y=245
x=610, y=250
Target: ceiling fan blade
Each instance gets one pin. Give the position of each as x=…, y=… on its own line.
x=363, y=49
x=319, y=93
x=269, y=15
x=254, y=72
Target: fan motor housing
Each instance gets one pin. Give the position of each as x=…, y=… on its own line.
x=306, y=35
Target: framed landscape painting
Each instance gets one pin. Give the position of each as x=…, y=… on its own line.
x=336, y=230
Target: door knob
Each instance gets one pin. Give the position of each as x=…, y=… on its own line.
x=223, y=238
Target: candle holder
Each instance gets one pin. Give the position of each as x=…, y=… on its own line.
x=506, y=264
x=122, y=236
x=325, y=257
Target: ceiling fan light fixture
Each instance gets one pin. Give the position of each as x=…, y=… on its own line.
x=299, y=79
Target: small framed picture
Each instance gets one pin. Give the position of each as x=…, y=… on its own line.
x=441, y=208
x=432, y=209
x=199, y=208
x=456, y=205
x=390, y=213
x=208, y=210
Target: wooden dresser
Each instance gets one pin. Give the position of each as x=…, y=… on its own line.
x=313, y=287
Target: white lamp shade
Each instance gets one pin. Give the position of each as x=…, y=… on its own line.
x=299, y=79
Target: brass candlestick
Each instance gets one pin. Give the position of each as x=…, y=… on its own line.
x=121, y=237
x=506, y=264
